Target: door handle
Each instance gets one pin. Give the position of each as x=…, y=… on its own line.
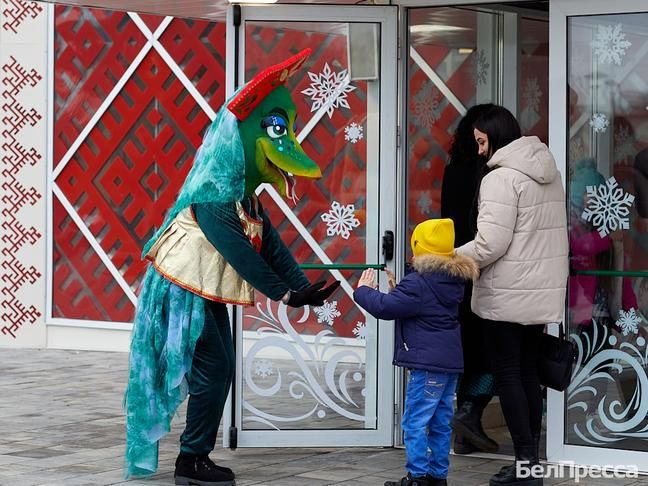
x=388, y=245
x=341, y=266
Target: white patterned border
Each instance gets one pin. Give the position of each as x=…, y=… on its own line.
x=23, y=116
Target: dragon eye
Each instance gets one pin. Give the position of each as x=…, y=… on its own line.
x=275, y=126
x=276, y=131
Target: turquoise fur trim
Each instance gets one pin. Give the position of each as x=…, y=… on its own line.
x=218, y=172
x=168, y=323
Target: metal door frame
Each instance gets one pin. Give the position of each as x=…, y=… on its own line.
x=560, y=11
x=385, y=199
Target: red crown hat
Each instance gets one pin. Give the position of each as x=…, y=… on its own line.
x=263, y=83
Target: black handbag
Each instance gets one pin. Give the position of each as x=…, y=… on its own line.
x=556, y=360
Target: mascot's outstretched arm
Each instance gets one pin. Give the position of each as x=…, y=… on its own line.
x=215, y=247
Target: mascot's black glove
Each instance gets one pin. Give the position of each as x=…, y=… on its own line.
x=314, y=294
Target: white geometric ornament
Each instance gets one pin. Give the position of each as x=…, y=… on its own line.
x=263, y=368
x=610, y=44
x=599, y=122
x=608, y=207
x=340, y=220
x=628, y=321
x=360, y=331
x=327, y=313
x=353, y=133
x=329, y=89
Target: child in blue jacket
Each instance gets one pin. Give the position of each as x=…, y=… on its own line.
x=425, y=305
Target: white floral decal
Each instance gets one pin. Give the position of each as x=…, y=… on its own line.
x=599, y=122
x=628, y=321
x=327, y=313
x=353, y=133
x=602, y=359
x=360, y=331
x=608, y=207
x=610, y=44
x=320, y=381
x=531, y=95
x=340, y=220
x=329, y=89
x=424, y=202
x=263, y=368
x=480, y=67
x=426, y=106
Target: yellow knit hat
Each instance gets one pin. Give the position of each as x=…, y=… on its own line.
x=435, y=237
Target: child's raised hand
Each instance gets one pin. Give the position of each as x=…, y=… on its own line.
x=391, y=278
x=368, y=278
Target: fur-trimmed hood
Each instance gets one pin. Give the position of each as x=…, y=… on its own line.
x=459, y=266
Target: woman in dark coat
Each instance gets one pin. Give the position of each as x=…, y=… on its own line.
x=459, y=195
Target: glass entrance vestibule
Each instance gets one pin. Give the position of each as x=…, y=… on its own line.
x=378, y=102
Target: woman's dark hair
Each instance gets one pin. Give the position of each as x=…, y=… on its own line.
x=501, y=127
x=463, y=149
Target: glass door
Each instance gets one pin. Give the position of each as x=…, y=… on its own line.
x=599, y=56
x=323, y=376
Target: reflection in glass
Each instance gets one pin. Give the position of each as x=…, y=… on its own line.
x=607, y=403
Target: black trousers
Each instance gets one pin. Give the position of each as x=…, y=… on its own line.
x=514, y=352
x=211, y=375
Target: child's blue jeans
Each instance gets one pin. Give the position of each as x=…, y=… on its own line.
x=426, y=422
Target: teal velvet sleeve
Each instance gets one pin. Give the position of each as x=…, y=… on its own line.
x=279, y=257
x=222, y=227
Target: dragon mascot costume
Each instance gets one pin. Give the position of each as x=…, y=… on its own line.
x=215, y=247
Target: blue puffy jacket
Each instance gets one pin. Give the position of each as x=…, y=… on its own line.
x=425, y=305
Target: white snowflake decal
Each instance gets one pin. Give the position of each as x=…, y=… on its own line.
x=327, y=313
x=426, y=106
x=480, y=67
x=424, y=202
x=599, y=122
x=340, y=220
x=263, y=368
x=531, y=94
x=607, y=207
x=628, y=321
x=610, y=44
x=623, y=144
x=329, y=89
x=353, y=133
x=360, y=331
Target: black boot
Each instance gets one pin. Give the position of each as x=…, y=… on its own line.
x=467, y=423
x=462, y=446
x=201, y=471
x=526, y=457
x=409, y=480
x=432, y=481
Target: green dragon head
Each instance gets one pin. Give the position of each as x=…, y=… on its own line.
x=272, y=152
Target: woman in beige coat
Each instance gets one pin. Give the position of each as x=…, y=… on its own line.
x=521, y=247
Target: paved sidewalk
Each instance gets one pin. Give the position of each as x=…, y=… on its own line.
x=61, y=424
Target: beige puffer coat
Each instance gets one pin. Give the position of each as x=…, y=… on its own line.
x=521, y=243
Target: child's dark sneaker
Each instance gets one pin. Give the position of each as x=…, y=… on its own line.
x=201, y=471
x=409, y=480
